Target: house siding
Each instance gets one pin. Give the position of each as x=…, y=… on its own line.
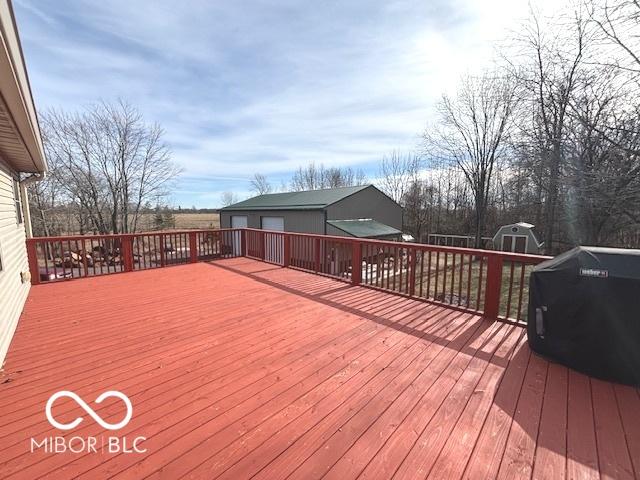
x=299, y=221
x=367, y=203
x=13, y=293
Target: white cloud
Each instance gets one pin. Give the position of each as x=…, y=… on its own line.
x=263, y=86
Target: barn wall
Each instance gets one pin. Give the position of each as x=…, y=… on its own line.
x=367, y=203
x=300, y=221
x=13, y=252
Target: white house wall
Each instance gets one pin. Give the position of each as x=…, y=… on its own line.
x=13, y=293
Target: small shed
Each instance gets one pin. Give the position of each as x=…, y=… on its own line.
x=517, y=237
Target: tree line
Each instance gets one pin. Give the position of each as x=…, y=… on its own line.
x=107, y=167
x=549, y=133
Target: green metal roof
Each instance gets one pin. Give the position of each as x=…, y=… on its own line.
x=364, y=228
x=307, y=200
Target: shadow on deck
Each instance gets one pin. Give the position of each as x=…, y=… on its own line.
x=239, y=369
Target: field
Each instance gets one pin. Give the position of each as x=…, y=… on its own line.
x=186, y=221
x=183, y=221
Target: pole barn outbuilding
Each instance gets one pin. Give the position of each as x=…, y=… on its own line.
x=345, y=211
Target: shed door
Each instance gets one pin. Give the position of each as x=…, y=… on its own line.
x=514, y=243
x=273, y=243
x=507, y=243
x=521, y=245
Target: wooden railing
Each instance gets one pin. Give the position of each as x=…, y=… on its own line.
x=494, y=284
x=60, y=258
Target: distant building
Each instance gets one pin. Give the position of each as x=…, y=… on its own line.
x=517, y=237
x=362, y=211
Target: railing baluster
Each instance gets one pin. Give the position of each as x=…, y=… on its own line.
x=427, y=293
x=479, y=283
x=521, y=290
x=510, y=289
x=435, y=287
x=460, y=279
x=395, y=266
x=444, y=276
x=453, y=277
x=421, y=270
x=468, y=294
x=64, y=271
x=48, y=248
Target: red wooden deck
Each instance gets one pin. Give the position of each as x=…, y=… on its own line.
x=240, y=369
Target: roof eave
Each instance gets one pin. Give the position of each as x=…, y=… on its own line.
x=20, y=118
x=231, y=208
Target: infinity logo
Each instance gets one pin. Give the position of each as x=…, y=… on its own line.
x=89, y=410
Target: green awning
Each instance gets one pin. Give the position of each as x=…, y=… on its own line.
x=365, y=228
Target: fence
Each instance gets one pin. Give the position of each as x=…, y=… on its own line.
x=491, y=283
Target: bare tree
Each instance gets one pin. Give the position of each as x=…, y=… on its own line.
x=46, y=198
x=603, y=167
x=260, y=185
x=307, y=178
x=618, y=22
x=313, y=177
x=475, y=124
x=418, y=204
x=110, y=163
x=554, y=53
x=228, y=198
x=397, y=171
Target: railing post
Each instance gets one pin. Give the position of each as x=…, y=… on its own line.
x=492, y=289
x=317, y=254
x=162, y=259
x=32, y=256
x=243, y=242
x=193, y=246
x=411, y=271
x=356, y=262
x=286, y=249
x=126, y=252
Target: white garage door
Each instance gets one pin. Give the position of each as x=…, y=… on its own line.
x=273, y=223
x=273, y=242
x=238, y=221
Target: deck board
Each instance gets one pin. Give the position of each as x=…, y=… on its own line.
x=582, y=452
x=239, y=368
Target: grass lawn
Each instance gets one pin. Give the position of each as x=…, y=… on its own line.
x=458, y=280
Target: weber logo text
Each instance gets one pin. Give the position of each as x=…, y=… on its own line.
x=594, y=272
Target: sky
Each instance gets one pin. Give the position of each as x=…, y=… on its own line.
x=243, y=87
